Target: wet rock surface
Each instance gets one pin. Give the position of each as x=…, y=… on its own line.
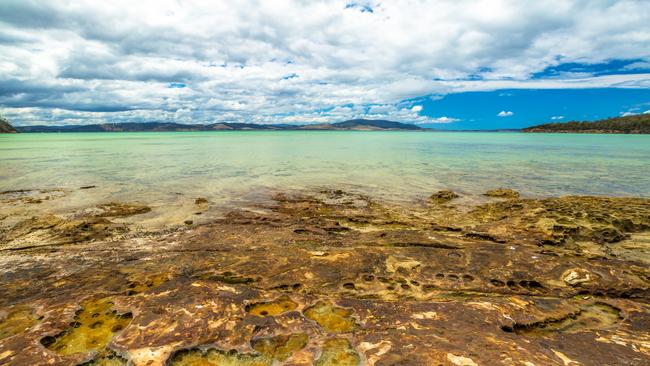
x=443, y=196
x=332, y=278
x=502, y=193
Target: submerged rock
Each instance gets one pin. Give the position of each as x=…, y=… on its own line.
x=121, y=209
x=502, y=193
x=442, y=196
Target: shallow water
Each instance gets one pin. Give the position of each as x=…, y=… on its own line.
x=404, y=165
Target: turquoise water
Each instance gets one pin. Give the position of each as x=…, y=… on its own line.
x=392, y=165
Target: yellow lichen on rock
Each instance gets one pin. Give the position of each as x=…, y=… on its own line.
x=332, y=318
x=272, y=308
x=92, y=329
x=280, y=347
x=215, y=357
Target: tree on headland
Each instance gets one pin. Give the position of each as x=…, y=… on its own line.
x=5, y=126
x=639, y=123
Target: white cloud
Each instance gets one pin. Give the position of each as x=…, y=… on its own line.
x=647, y=112
x=555, y=118
x=445, y=120
x=416, y=108
x=505, y=114
x=279, y=61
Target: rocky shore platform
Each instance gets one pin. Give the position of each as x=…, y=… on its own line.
x=329, y=278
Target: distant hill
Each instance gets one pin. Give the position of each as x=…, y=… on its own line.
x=637, y=124
x=362, y=125
x=351, y=125
x=5, y=126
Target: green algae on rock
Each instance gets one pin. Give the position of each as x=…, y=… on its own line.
x=16, y=320
x=121, y=209
x=215, y=357
x=280, y=347
x=108, y=358
x=332, y=318
x=338, y=352
x=588, y=317
x=94, y=326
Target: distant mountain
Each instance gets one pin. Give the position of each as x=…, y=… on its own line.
x=637, y=124
x=5, y=126
x=351, y=125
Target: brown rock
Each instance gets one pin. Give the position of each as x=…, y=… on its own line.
x=443, y=196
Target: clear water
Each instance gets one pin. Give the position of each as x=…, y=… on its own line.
x=226, y=166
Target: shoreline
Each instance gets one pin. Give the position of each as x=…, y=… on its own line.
x=304, y=277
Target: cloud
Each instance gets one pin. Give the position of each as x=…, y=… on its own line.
x=555, y=118
x=445, y=120
x=416, y=108
x=647, y=112
x=505, y=114
x=302, y=61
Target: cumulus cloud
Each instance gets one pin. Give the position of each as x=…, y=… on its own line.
x=296, y=61
x=505, y=114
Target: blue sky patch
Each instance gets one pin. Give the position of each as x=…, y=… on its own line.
x=527, y=107
x=364, y=8
x=612, y=67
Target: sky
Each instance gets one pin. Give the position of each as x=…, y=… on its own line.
x=457, y=64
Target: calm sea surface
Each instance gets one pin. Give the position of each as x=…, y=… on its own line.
x=225, y=166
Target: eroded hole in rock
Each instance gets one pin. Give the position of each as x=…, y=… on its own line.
x=288, y=287
x=16, y=320
x=531, y=285
x=332, y=318
x=280, y=347
x=497, y=283
x=137, y=285
x=228, y=278
x=338, y=352
x=425, y=245
x=337, y=230
x=484, y=236
x=272, y=308
x=590, y=317
x=92, y=329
